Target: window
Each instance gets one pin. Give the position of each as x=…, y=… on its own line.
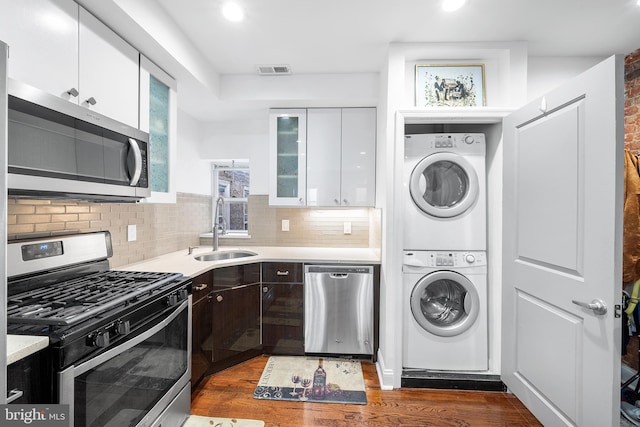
x=231, y=183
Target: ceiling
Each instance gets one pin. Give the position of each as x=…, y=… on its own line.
x=346, y=36
x=193, y=42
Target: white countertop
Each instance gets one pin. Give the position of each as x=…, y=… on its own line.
x=182, y=262
x=21, y=346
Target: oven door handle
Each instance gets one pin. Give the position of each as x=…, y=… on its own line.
x=67, y=376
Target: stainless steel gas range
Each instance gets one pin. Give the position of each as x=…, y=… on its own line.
x=120, y=341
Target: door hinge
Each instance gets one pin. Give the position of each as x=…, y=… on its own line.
x=617, y=311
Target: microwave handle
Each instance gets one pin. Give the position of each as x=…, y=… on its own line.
x=137, y=156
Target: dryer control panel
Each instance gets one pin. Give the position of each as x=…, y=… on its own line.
x=456, y=259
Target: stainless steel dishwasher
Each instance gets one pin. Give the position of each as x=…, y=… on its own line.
x=338, y=309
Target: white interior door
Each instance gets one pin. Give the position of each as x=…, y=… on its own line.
x=563, y=190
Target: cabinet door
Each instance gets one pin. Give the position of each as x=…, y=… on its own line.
x=283, y=318
x=201, y=327
x=358, y=157
x=324, y=142
x=43, y=43
x=287, y=166
x=109, y=69
x=32, y=375
x=236, y=321
x=201, y=338
x=158, y=117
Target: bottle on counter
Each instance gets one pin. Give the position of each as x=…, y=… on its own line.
x=319, y=382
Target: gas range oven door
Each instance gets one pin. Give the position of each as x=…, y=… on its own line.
x=141, y=382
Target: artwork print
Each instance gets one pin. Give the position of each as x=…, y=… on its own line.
x=459, y=85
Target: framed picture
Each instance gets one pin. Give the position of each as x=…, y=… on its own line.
x=450, y=85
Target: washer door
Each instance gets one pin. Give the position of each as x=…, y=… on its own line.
x=444, y=185
x=445, y=303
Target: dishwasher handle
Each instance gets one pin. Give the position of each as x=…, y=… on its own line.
x=339, y=275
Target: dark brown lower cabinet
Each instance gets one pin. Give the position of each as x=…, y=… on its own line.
x=32, y=375
x=283, y=308
x=236, y=321
x=201, y=327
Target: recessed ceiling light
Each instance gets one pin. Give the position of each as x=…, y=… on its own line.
x=451, y=5
x=233, y=12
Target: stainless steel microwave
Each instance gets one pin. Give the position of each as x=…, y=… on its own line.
x=57, y=149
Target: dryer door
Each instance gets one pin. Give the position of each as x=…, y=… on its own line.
x=445, y=303
x=444, y=185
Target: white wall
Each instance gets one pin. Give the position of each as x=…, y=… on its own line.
x=193, y=171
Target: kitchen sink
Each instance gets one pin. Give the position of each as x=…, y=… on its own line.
x=218, y=256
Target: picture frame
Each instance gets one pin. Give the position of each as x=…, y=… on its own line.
x=450, y=85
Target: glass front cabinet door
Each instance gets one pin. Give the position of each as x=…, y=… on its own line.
x=288, y=163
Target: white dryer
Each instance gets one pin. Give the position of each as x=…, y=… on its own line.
x=445, y=306
x=445, y=192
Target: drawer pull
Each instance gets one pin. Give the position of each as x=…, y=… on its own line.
x=14, y=394
x=201, y=286
x=282, y=273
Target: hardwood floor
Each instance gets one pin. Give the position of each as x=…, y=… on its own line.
x=229, y=394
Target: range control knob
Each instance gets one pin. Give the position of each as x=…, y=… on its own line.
x=470, y=258
x=123, y=328
x=172, y=300
x=469, y=139
x=183, y=294
x=98, y=339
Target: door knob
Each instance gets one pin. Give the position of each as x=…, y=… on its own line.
x=598, y=306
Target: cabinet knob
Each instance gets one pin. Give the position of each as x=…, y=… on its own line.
x=91, y=101
x=201, y=286
x=336, y=201
x=265, y=289
x=345, y=201
x=73, y=92
x=219, y=298
x=301, y=200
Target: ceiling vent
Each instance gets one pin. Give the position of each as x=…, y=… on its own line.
x=273, y=70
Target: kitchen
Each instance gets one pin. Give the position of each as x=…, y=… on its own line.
x=242, y=134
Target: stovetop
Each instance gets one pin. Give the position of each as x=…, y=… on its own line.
x=73, y=301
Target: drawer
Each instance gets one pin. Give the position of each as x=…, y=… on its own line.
x=282, y=272
x=236, y=275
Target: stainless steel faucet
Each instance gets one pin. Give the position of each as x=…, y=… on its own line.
x=219, y=203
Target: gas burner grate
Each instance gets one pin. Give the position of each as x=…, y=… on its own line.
x=70, y=302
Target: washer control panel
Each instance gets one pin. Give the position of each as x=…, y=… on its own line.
x=456, y=259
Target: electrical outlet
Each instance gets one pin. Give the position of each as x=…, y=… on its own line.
x=347, y=227
x=131, y=233
x=285, y=225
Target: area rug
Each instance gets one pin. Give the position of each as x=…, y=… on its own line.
x=292, y=378
x=199, y=421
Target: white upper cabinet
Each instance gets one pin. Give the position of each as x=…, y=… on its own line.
x=43, y=43
x=159, y=117
x=59, y=47
x=109, y=71
x=341, y=145
x=324, y=145
x=288, y=162
x=358, y=178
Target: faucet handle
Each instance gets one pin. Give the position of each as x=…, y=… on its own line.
x=191, y=248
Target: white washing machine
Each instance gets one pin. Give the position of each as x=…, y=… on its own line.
x=445, y=192
x=445, y=320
